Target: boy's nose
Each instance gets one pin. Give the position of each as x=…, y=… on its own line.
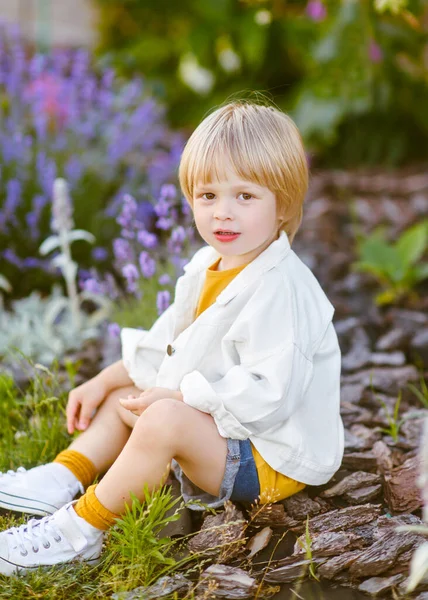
x=223, y=210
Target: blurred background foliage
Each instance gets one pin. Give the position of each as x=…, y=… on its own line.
x=348, y=71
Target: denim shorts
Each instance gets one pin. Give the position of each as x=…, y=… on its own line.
x=240, y=481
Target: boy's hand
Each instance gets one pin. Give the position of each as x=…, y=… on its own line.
x=138, y=404
x=82, y=403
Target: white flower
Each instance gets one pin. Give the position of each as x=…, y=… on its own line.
x=229, y=60
x=197, y=78
x=263, y=17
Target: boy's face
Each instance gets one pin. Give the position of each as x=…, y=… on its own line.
x=239, y=206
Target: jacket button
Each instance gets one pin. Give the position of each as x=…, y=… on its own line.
x=170, y=350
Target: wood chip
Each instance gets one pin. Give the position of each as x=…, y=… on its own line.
x=259, y=541
x=362, y=495
x=344, y=518
x=330, y=543
x=221, y=535
x=332, y=567
x=382, y=555
x=377, y=586
x=222, y=581
x=351, y=482
x=292, y=568
x=401, y=490
x=272, y=515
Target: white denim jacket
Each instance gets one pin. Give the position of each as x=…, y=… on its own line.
x=263, y=360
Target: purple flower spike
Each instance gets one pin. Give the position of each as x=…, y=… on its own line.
x=147, y=265
x=316, y=10
x=164, y=279
x=146, y=239
x=163, y=300
x=113, y=330
x=130, y=272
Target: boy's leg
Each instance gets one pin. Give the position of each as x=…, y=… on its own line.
x=167, y=429
x=44, y=489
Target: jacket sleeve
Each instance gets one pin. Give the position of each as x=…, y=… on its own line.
x=143, y=351
x=269, y=378
x=254, y=396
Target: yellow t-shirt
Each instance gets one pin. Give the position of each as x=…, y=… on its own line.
x=274, y=486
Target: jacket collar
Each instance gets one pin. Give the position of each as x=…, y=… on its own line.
x=265, y=261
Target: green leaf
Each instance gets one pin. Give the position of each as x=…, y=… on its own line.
x=386, y=297
x=412, y=243
x=420, y=272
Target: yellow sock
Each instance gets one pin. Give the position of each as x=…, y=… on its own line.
x=90, y=508
x=83, y=468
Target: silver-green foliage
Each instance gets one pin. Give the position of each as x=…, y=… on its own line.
x=43, y=328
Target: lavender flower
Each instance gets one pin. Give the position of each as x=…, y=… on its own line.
x=163, y=300
x=130, y=272
x=147, y=265
x=148, y=240
x=164, y=279
x=99, y=253
x=113, y=330
x=122, y=250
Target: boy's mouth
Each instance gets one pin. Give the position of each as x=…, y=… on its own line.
x=225, y=232
x=226, y=236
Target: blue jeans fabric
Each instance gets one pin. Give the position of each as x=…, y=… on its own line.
x=240, y=481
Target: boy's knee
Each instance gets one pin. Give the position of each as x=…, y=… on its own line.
x=163, y=418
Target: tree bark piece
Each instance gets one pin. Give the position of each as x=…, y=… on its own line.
x=354, y=481
x=164, y=587
x=365, y=461
x=343, y=519
x=291, y=568
x=382, y=555
x=363, y=495
x=377, y=586
x=332, y=567
x=221, y=535
x=259, y=541
x=330, y=543
x=272, y=515
x=221, y=581
x=401, y=491
x=300, y=506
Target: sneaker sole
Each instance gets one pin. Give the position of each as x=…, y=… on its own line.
x=14, y=569
x=26, y=505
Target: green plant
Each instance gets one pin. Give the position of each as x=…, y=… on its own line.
x=352, y=73
x=422, y=393
x=137, y=553
x=393, y=421
x=307, y=547
x=398, y=266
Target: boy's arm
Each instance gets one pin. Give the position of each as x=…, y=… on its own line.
x=252, y=397
x=273, y=373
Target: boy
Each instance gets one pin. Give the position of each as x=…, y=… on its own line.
x=240, y=376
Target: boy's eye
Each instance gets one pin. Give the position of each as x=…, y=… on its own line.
x=246, y=196
x=208, y=196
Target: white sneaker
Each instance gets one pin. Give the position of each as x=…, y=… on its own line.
x=38, y=491
x=61, y=538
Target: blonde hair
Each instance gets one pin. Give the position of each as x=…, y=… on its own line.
x=263, y=145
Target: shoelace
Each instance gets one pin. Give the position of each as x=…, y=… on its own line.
x=13, y=473
x=32, y=533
